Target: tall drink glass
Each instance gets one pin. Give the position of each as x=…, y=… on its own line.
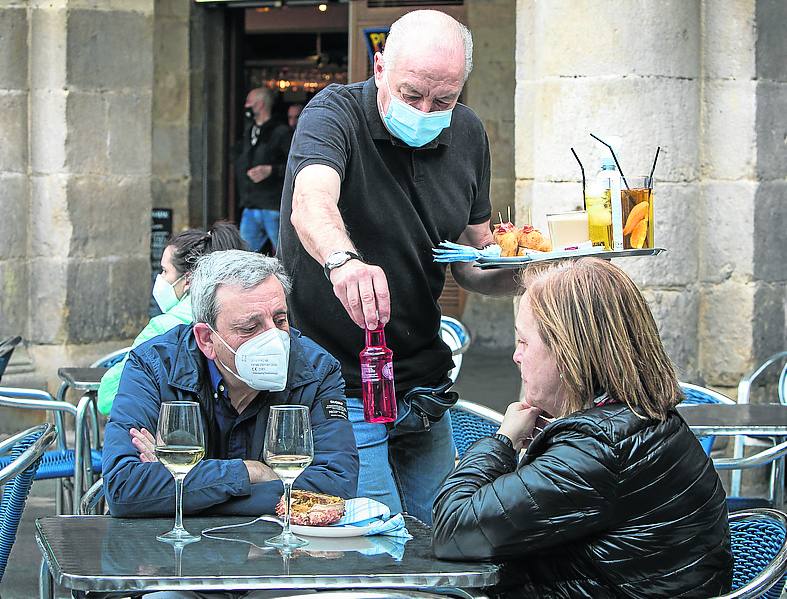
x=288, y=450
x=637, y=213
x=180, y=445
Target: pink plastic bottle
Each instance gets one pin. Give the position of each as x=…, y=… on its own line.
x=377, y=381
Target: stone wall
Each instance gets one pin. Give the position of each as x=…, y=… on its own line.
x=490, y=93
x=705, y=81
x=76, y=165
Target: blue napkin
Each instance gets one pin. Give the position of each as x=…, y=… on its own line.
x=456, y=252
x=364, y=511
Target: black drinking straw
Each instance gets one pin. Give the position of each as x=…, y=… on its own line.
x=615, y=158
x=581, y=168
x=653, y=168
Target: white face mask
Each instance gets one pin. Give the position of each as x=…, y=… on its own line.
x=262, y=361
x=164, y=293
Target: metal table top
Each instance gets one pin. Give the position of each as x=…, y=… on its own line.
x=736, y=419
x=105, y=554
x=85, y=379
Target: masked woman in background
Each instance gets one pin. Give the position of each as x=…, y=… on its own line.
x=615, y=497
x=171, y=291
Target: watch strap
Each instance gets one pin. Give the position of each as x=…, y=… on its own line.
x=504, y=439
x=327, y=268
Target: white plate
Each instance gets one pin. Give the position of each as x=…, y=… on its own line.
x=331, y=531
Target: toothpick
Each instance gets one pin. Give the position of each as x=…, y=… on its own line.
x=509, y=214
x=500, y=216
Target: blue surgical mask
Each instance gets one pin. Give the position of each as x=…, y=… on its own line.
x=413, y=127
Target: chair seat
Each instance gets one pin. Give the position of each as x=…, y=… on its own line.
x=59, y=464
x=736, y=504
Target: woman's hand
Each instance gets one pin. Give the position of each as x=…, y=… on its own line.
x=519, y=422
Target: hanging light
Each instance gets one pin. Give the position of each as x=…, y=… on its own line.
x=322, y=7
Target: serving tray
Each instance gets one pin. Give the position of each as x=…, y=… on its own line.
x=522, y=261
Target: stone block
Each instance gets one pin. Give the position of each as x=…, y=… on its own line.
x=14, y=299
x=772, y=130
x=48, y=296
x=174, y=194
x=14, y=203
x=525, y=100
x=643, y=113
x=48, y=47
x=146, y=7
x=770, y=231
x=676, y=313
x=13, y=48
x=170, y=150
x=591, y=39
x=176, y=9
x=523, y=201
x=13, y=124
x=128, y=296
x=768, y=323
x=771, y=41
x=88, y=311
x=171, y=72
x=493, y=24
x=50, y=222
x=110, y=216
x=88, y=124
x=726, y=230
x=130, y=133
x=526, y=50
x=729, y=144
x=729, y=38
x=725, y=332
x=48, y=130
x=502, y=195
x=490, y=321
x=677, y=216
x=109, y=49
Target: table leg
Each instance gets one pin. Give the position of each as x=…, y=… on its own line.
x=46, y=586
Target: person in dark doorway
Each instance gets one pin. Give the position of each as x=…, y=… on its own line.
x=380, y=172
x=293, y=113
x=615, y=497
x=261, y=157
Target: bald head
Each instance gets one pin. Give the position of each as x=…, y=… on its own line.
x=429, y=34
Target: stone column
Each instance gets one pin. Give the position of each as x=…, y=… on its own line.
x=91, y=76
x=629, y=69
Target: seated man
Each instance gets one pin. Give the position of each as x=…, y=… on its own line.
x=237, y=297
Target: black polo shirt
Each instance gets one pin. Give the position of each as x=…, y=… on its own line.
x=397, y=203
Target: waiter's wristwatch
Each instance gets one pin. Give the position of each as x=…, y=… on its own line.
x=337, y=259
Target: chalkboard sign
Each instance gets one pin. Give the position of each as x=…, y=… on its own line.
x=160, y=232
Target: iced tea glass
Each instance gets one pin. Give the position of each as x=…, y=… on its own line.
x=636, y=205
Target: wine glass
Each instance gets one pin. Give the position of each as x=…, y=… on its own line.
x=289, y=449
x=180, y=445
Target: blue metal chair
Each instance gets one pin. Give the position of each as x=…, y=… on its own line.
x=69, y=466
x=457, y=337
x=759, y=548
x=470, y=422
x=744, y=393
x=7, y=347
x=112, y=358
x=694, y=394
x=16, y=478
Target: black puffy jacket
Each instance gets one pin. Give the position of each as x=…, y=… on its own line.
x=603, y=504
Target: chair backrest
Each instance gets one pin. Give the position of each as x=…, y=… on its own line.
x=456, y=336
x=759, y=549
x=470, y=422
x=111, y=358
x=7, y=347
x=695, y=394
x=17, y=478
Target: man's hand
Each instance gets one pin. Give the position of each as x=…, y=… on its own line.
x=259, y=472
x=145, y=444
x=363, y=291
x=519, y=422
x=258, y=173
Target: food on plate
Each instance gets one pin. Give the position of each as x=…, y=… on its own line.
x=506, y=235
x=515, y=241
x=312, y=509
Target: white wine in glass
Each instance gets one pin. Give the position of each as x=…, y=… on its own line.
x=180, y=445
x=289, y=449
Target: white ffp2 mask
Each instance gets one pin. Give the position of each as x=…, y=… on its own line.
x=262, y=361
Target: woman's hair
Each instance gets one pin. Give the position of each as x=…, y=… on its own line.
x=192, y=244
x=594, y=320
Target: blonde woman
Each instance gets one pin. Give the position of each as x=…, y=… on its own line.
x=615, y=497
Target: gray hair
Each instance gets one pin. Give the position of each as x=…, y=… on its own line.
x=427, y=25
x=230, y=267
x=267, y=96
